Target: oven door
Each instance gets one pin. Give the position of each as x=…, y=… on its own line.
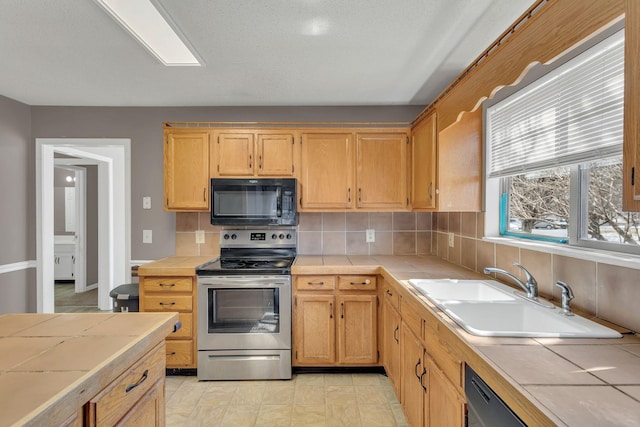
x=244, y=312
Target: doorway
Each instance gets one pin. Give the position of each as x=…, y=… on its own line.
x=112, y=157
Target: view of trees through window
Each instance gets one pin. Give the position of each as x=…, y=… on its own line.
x=539, y=204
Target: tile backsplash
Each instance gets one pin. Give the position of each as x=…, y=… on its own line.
x=396, y=233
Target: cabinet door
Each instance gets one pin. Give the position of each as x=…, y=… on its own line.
x=275, y=154
x=326, y=171
x=186, y=171
x=446, y=407
x=423, y=164
x=381, y=170
x=391, y=338
x=631, y=145
x=149, y=411
x=413, y=371
x=357, y=329
x=235, y=154
x=314, y=329
x=460, y=164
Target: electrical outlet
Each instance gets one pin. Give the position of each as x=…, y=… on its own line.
x=371, y=235
x=199, y=237
x=451, y=240
x=146, y=202
x=147, y=236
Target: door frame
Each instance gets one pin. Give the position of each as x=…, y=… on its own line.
x=113, y=156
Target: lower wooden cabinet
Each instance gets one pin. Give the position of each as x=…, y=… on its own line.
x=391, y=342
x=135, y=398
x=174, y=293
x=415, y=377
x=335, y=327
x=446, y=406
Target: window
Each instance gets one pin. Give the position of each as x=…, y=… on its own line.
x=555, y=147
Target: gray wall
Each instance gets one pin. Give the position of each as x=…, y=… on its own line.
x=144, y=126
x=17, y=215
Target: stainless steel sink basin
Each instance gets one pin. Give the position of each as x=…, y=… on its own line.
x=489, y=308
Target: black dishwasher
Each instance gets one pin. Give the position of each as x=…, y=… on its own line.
x=484, y=407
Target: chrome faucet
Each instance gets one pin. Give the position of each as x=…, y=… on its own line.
x=530, y=287
x=567, y=296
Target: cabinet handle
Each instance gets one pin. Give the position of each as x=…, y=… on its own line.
x=424, y=371
x=430, y=191
x=260, y=162
x=359, y=194
x=389, y=293
x=167, y=303
x=415, y=370
x=349, y=195
x=204, y=194
x=330, y=310
x=171, y=353
x=142, y=379
x=365, y=282
x=250, y=160
x=395, y=334
x=315, y=283
x=168, y=285
x=342, y=310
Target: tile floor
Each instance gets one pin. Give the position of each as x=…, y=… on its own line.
x=307, y=400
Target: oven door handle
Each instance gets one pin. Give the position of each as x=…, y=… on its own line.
x=241, y=282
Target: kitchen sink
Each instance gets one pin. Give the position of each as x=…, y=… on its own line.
x=489, y=308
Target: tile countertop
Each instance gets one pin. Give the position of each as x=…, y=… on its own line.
x=572, y=382
x=52, y=364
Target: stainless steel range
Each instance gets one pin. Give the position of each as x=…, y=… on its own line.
x=244, y=306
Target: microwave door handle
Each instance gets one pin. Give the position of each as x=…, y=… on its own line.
x=279, y=201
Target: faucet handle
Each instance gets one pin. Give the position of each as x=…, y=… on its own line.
x=529, y=276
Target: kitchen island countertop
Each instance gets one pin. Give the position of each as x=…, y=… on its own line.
x=52, y=364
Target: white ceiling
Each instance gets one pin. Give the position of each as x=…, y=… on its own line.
x=256, y=52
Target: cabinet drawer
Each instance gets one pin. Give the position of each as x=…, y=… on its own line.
x=167, y=284
x=186, y=331
x=357, y=283
x=391, y=296
x=168, y=303
x=316, y=283
x=179, y=353
x=121, y=395
x=411, y=318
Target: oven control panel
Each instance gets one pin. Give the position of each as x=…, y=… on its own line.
x=272, y=237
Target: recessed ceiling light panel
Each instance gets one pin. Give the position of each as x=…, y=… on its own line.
x=143, y=20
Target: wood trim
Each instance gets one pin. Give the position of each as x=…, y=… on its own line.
x=631, y=147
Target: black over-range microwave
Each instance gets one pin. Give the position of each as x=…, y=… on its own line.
x=258, y=201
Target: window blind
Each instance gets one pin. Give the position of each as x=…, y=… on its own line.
x=571, y=115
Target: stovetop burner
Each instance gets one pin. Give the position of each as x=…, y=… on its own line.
x=253, y=252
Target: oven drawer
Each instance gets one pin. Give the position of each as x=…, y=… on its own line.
x=357, y=283
x=167, y=284
x=316, y=283
x=182, y=303
x=179, y=353
x=244, y=365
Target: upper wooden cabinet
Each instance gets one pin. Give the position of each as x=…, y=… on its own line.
x=245, y=153
x=381, y=170
x=326, y=178
x=423, y=164
x=186, y=170
x=460, y=165
x=338, y=174
x=631, y=149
